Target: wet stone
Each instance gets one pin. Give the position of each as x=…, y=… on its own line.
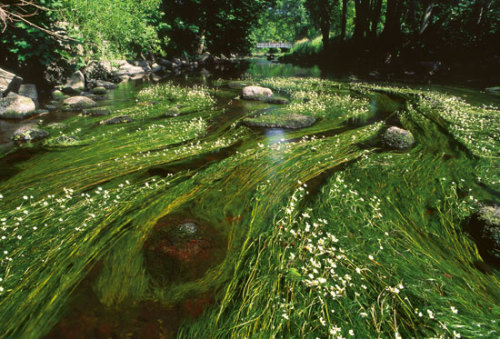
x=289, y=121
x=28, y=133
x=484, y=227
x=122, y=119
x=398, y=138
x=96, y=112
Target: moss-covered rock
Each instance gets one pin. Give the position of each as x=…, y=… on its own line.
x=121, y=119
x=398, y=138
x=98, y=90
x=15, y=106
x=290, y=121
x=29, y=133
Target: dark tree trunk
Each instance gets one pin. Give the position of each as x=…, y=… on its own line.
x=361, y=21
x=343, y=23
x=325, y=24
x=376, y=10
x=392, y=29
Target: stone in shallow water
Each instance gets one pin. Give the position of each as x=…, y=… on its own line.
x=121, y=119
x=15, y=106
x=398, y=138
x=291, y=121
x=29, y=133
x=98, y=90
x=188, y=228
x=256, y=93
x=484, y=227
x=96, y=112
x=79, y=102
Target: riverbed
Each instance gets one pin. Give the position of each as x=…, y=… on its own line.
x=188, y=221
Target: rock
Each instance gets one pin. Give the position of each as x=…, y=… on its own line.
x=127, y=69
x=156, y=68
x=277, y=100
x=30, y=91
x=238, y=84
x=255, y=93
x=102, y=83
x=398, y=138
x=29, y=133
x=494, y=90
x=485, y=229
x=177, y=61
x=165, y=62
x=98, y=90
x=51, y=107
x=75, y=84
x=58, y=95
x=41, y=112
x=206, y=59
x=9, y=82
x=96, y=112
x=121, y=119
x=99, y=70
x=291, y=121
x=79, y=102
x=15, y=106
x=66, y=140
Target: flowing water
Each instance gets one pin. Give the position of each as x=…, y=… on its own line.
x=182, y=221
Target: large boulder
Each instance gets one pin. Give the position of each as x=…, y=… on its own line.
x=29, y=133
x=256, y=93
x=15, y=106
x=75, y=84
x=99, y=70
x=398, y=138
x=79, y=102
x=9, y=82
x=30, y=91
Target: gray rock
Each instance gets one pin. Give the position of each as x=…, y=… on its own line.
x=127, y=69
x=165, y=62
x=494, y=90
x=79, y=102
x=291, y=121
x=398, y=138
x=58, y=95
x=96, y=112
x=75, y=84
x=30, y=91
x=121, y=119
x=15, y=106
x=256, y=93
x=9, y=82
x=277, y=100
x=29, y=133
x=51, y=107
x=156, y=68
x=98, y=90
x=102, y=83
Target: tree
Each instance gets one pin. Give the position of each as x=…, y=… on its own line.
x=321, y=12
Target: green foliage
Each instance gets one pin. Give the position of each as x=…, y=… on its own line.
x=219, y=26
x=115, y=29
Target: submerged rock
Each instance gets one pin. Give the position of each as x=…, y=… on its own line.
x=121, y=119
x=29, y=133
x=485, y=229
x=98, y=90
x=256, y=93
x=79, y=102
x=277, y=100
x=398, y=138
x=66, y=140
x=96, y=112
x=102, y=83
x=173, y=112
x=15, y=106
x=291, y=121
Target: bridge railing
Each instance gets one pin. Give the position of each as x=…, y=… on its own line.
x=274, y=45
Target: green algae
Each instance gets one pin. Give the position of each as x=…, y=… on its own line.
x=325, y=232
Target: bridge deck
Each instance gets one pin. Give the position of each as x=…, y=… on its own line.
x=274, y=45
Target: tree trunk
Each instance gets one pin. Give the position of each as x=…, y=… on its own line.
x=325, y=24
x=361, y=20
x=426, y=17
x=344, y=20
x=376, y=10
x=392, y=29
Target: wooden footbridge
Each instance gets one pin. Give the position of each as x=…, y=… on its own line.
x=274, y=45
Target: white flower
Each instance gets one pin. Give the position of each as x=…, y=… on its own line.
x=25, y=197
x=351, y=333
x=370, y=257
x=431, y=315
x=1, y=196
x=454, y=310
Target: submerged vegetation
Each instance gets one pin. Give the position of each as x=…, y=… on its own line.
x=324, y=231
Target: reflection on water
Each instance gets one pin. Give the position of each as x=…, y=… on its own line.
x=262, y=67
